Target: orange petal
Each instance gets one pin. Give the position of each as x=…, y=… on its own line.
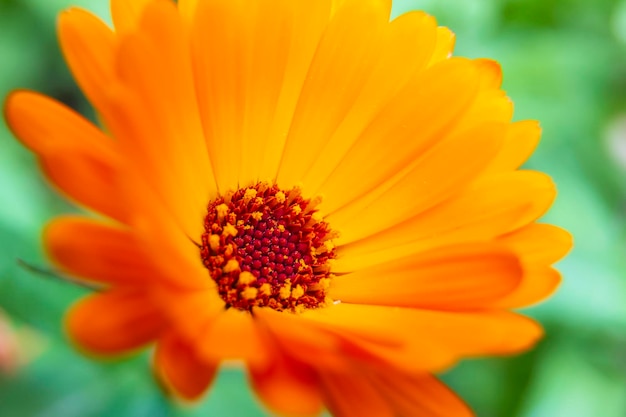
x=490, y=207
x=433, y=339
x=219, y=34
x=131, y=125
x=187, y=9
x=114, y=322
x=491, y=73
x=154, y=107
x=483, y=333
x=350, y=395
x=190, y=311
x=444, y=45
x=97, y=251
x=275, y=35
x=127, y=13
x=75, y=155
x=437, y=174
x=343, y=64
x=233, y=335
x=406, y=44
x=379, y=344
x=489, y=106
x=287, y=386
x=162, y=25
x=234, y=98
x=538, y=283
x=302, y=341
x=456, y=277
x=418, y=395
x=539, y=244
x=338, y=4
x=159, y=232
x=261, y=81
x=88, y=45
x=336, y=349
x=308, y=22
x=520, y=141
x=418, y=117
x=180, y=369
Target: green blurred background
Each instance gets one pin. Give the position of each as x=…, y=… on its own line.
x=564, y=63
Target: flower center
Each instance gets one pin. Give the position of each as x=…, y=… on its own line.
x=265, y=247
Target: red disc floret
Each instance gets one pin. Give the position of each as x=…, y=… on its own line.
x=265, y=247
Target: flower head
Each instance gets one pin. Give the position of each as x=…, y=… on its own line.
x=303, y=186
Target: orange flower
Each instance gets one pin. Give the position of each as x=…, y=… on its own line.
x=303, y=186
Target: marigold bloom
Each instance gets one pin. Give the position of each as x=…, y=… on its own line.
x=304, y=186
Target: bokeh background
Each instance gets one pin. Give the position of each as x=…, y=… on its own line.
x=564, y=63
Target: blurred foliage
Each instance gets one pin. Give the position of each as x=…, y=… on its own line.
x=564, y=63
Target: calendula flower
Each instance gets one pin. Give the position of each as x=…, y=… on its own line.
x=302, y=186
